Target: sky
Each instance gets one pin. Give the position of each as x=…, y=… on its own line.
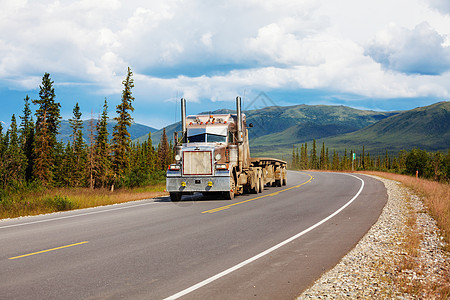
x=378, y=55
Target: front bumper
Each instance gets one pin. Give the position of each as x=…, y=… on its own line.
x=198, y=184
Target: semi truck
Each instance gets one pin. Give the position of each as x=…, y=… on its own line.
x=212, y=157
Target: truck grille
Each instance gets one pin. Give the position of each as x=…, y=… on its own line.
x=197, y=163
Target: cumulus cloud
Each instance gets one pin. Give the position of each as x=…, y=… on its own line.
x=441, y=5
x=417, y=51
x=214, y=50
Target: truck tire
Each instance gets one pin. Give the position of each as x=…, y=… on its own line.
x=175, y=197
x=261, y=186
x=230, y=194
x=256, y=189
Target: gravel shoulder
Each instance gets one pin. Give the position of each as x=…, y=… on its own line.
x=382, y=265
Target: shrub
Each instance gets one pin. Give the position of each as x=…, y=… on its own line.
x=59, y=203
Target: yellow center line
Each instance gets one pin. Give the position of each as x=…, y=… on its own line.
x=48, y=250
x=245, y=201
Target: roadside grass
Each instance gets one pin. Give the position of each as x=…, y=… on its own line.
x=435, y=196
x=41, y=201
x=410, y=272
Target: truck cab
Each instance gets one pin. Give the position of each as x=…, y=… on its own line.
x=213, y=157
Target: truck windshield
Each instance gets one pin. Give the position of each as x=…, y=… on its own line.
x=207, y=137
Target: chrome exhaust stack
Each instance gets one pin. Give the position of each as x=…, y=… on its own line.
x=183, y=120
x=239, y=119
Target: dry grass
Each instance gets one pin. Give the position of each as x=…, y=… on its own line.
x=411, y=275
x=40, y=202
x=435, y=196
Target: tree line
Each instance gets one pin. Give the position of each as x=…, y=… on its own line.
x=430, y=165
x=31, y=154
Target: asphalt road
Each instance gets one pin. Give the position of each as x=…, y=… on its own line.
x=266, y=246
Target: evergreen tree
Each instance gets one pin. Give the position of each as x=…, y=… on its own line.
x=336, y=162
x=150, y=154
x=76, y=123
x=305, y=157
x=121, y=142
x=47, y=125
x=363, y=158
x=27, y=138
x=13, y=158
x=314, y=160
x=91, y=153
x=102, y=150
x=62, y=174
x=44, y=153
x=322, y=163
x=164, y=152
x=345, y=161
x=2, y=164
x=79, y=154
x=294, y=159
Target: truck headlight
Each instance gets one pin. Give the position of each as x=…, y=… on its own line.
x=174, y=167
x=221, y=166
x=177, y=157
x=218, y=156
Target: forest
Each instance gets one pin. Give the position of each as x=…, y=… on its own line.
x=416, y=162
x=31, y=156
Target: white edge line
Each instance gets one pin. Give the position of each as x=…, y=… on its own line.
x=246, y=262
x=77, y=215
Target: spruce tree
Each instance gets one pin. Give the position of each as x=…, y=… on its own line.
x=314, y=161
x=121, y=142
x=2, y=164
x=150, y=154
x=91, y=153
x=14, y=159
x=79, y=154
x=322, y=157
x=47, y=125
x=102, y=150
x=294, y=165
x=163, y=151
x=27, y=138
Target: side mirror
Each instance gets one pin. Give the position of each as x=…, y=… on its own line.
x=250, y=125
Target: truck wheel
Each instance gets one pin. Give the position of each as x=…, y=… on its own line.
x=230, y=195
x=175, y=197
x=256, y=189
x=261, y=186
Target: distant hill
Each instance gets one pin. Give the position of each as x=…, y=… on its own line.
x=279, y=127
x=135, y=130
x=284, y=126
x=425, y=128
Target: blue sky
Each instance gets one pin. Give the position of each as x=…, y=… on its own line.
x=380, y=55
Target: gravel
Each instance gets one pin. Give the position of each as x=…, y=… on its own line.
x=380, y=267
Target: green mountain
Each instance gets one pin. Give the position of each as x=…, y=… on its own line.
x=425, y=128
x=284, y=126
x=135, y=130
x=276, y=129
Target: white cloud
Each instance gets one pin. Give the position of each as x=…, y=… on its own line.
x=441, y=5
x=264, y=45
x=417, y=51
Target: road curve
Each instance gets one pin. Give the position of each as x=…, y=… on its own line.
x=269, y=245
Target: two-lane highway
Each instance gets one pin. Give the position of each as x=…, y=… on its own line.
x=269, y=245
